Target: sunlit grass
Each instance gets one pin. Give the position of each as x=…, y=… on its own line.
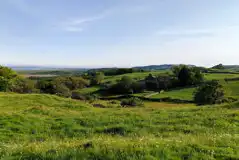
x=49, y=127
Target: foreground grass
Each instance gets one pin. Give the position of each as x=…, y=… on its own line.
x=49, y=127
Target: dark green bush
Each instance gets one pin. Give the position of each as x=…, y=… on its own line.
x=62, y=90
x=3, y=84
x=132, y=102
x=85, y=97
x=21, y=85
x=210, y=92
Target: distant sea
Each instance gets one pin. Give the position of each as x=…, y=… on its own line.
x=29, y=68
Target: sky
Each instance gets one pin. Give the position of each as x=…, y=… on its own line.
x=119, y=33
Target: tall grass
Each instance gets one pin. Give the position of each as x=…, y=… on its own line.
x=49, y=127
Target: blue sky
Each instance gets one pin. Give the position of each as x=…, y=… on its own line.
x=104, y=33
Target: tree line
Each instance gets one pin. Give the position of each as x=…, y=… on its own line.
x=181, y=76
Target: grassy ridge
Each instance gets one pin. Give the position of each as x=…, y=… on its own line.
x=49, y=127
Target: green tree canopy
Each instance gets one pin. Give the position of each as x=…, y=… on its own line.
x=211, y=92
x=21, y=85
x=7, y=73
x=188, y=75
x=97, y=78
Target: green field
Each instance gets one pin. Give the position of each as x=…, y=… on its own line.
x=183, y=94
x=136, y=75
x=49, y=127
x=232, y=88
x=219, y=76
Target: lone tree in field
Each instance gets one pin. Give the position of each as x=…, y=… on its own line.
x=209, y=93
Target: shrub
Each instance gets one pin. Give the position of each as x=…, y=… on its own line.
x=97, y=79
x=72, y=83
x=78, y=95
x=62, y=90
x=3, y=84
x=21, y=85
x=132, y=102
x=209, y=93
x=126, y=86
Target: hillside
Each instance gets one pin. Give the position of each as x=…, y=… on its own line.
x=48, y=127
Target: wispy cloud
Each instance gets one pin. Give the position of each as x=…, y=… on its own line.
x=78, y=24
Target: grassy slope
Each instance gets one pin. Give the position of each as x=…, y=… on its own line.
x=49, y=127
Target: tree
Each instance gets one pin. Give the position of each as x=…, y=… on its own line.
x=176, y=69
x=7, y=73
x=197, y=76
x=188, y=75
x=3, y=84
x=72, y=83
x=98, y=78
x=45, y=86
x=21, y=85
x=219, y=66
x=62, y=90
x=125, y=86
x=164, y=82
x=151, y=82
x=211, y=92
x=185, y=76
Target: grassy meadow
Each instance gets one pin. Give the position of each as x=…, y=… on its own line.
x=41, y=126
x=49, y=127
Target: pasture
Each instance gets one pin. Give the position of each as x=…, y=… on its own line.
x=49, y=127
